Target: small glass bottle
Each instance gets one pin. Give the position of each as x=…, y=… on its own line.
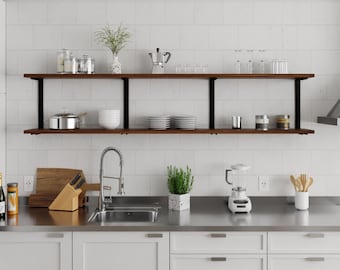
x=2, y=201
x=60, y=61
x=12, y=199
x=238, y=67
x=68, y=62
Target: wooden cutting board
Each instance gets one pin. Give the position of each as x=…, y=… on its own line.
x=49, y=183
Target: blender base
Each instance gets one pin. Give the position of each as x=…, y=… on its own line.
x=239, y=205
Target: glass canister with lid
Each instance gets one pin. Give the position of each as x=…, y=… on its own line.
x=261, y=122
x=282, y=121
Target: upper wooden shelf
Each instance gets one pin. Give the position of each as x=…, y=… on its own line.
x=168, y=131
x=167, y=76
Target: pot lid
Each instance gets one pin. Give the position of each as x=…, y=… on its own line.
x=65, y=115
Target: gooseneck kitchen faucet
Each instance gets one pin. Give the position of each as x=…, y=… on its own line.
x=102, y=204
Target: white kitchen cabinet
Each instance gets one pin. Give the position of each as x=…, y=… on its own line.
x=36, y=250
x=303, y=250
x=121, y=250
x=303, y=262
x=218, y=262
x=218, y=242
x=218, y=250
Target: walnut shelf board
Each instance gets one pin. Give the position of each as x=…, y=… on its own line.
x=168, y=131
x=167, y=76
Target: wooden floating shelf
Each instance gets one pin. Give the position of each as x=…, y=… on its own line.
x=168, y=131
x=168, y=76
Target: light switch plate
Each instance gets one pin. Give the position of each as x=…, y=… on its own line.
x=263, y=183
x=28, y=183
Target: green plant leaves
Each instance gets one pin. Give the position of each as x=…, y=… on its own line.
x=179, y=181
x=114, y=40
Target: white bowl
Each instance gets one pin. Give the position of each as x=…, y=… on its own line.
x=109, y=119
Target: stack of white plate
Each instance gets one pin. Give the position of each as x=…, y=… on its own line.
x=161, y=122
x=187, y=122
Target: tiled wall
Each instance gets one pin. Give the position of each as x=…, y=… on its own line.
x=2, y=88
x=306, y=32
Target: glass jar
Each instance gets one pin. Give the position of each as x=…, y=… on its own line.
x=282, y=121
x=12, y=199
x=262, y=122
x=68, y=62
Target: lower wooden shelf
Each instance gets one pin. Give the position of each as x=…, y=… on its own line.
x=168, y=131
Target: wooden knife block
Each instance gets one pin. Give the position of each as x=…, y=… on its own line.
x=67, y=199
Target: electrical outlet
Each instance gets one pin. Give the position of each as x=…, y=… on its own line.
x=28, y=183
x=263, y=183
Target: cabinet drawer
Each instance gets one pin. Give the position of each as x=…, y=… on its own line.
x=310, y=262
x=217, y=262
x=304, y=242
x=218, y=242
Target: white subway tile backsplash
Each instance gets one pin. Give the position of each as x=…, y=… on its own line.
x=61, y=12
x=32, y=12
x=209, y=12
x=196, y=32
x=47, y=37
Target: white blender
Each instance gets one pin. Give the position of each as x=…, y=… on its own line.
x=238, y=201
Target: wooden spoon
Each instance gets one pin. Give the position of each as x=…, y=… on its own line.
x=294, y=182
x=308, y=184
x=303, y=181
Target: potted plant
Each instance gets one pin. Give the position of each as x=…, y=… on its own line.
x=115, y=40
x=179, y=184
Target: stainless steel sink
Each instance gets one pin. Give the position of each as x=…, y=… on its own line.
x=126, y=214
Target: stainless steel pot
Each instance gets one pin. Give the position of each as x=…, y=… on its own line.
x=64, y=121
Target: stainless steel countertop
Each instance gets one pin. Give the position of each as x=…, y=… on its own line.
x=206, y=214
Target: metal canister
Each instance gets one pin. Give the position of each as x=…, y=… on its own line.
x=12, y=199
x=282, y=121
x=262, y=122
x=75, y=65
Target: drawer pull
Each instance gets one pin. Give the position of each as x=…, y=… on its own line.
x=55, y=235
x=315, y=235
x=218, y=259
x=315, y=259
x=218, y=235
x=154, y=235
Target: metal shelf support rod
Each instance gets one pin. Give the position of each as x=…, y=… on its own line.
x=212, y=103
x=126, y=102
x=297, y=103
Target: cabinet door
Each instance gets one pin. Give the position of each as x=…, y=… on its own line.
x=303, y=262
x=304, y=242
x=36, y=250
x=218, y=262
x=218, y=242
x=121, y=250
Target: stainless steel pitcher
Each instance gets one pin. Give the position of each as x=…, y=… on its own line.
x=158, y=60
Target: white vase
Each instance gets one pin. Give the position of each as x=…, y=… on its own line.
x=116, y=67
x=179, y=202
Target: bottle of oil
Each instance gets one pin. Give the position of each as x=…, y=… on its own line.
x=2, y=201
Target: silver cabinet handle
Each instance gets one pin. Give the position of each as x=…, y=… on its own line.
x=55, y=235
x=218, y=259
x=154, y=235
x=315, y=259
x=218, y=235
x=315, y=235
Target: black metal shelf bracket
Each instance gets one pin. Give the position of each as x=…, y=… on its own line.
x=40, y=102
x=297, y=103
x=212, y=103
x=126, y=102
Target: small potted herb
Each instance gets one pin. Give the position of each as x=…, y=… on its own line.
x=115, y=40
x=179, y=184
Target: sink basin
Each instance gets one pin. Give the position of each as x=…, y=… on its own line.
x=126, y=214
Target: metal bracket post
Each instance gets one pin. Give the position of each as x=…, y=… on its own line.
x=212, y=103
x=40, y=103
x=297, y=103
x=126, y=103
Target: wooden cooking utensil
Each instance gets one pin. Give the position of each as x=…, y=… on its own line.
x=303, y=181
x=308, y=184
x=293, y=180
